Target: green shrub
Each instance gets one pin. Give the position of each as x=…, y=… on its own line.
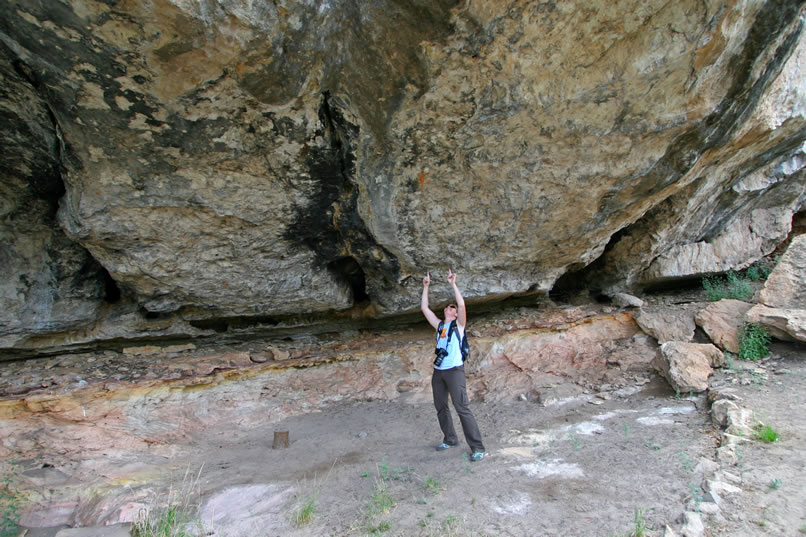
x=767, y=434
x=761, y=269
x=731, y=286
x=754, y=342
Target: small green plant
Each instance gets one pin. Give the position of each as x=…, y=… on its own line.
x=767, y=434
x=730, y=286
x=775, y=484
x=170, y=521
x=432, y=484
x=754, y=342
x=652, y=445
x=803, y=529
x=172, y=515
x=304, y=514
x=382, y=502
x=695, y=493
x=761, y=269
x=626, y=432
x=688, y=464
x=449, y=522
x=639, y=529
x=10, y=500
x=729, y=361
x=382, y=527
x=577, y=445
x=392, y=474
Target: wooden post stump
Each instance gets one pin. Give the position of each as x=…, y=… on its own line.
x=280, y=440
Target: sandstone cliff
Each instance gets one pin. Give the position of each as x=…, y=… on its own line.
x=174, y=168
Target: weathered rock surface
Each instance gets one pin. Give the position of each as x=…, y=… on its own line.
x=723, y=321
x=224, y=160
x=667, y=323
x=782, y=307
x=687, y=366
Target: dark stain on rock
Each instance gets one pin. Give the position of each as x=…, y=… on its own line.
x=330, y=224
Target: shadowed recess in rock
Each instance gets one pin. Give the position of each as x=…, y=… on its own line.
x=330, y=225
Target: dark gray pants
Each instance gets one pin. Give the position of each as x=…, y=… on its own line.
x=452, y=382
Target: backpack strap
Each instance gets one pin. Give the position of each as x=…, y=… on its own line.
x=451, y=329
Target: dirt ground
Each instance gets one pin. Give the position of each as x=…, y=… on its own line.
x=603, y=464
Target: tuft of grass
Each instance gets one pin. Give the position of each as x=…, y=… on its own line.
x=432, y=484
x=775, y=484
x=767, y=434
x=381, y=502
x=639, y=529
x=380, y=528
x=168, y=521
x=754, y=342
x=304, y=509
x=304, y=514
x=388, y=473
x=730, y=286
x=10, y=499
x=450, y=522
x=171, y=516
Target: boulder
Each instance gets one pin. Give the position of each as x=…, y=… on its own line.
x=626, y=300
x=687, y=366
x=785, y=287
x=667, y=323
x=719, y=412
x=782, y=307
x=783, y=324
x=723, y=321
x=692, y=525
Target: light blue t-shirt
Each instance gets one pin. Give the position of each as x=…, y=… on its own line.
x=454, y=358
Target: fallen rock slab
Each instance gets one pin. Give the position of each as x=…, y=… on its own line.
x=723, y=321
x=687, y=366
x=782, y=307
x=785, y=288
x=783, y=324
x=667, y=323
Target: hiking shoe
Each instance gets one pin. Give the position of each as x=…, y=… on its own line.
x=443, y=446
x=478, y=455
